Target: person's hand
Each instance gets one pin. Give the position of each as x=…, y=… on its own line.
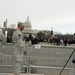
x=73, y=61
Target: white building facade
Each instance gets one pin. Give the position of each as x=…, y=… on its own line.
x=28, y=28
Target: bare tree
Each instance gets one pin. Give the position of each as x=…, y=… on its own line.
x=13, y=26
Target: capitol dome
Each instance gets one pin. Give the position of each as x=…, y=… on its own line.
x=27, y=23
x=28, y=27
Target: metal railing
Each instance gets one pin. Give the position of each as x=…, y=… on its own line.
x=40, y=59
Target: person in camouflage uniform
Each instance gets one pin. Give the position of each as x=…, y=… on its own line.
x=2, y=42
x=19, y=48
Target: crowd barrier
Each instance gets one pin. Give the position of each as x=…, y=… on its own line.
x=40, y=59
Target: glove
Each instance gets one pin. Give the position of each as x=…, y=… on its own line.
x=25, y=52
x=73, y=61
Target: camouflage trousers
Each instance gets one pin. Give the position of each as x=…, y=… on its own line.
x=18, y=61
x=17, y=68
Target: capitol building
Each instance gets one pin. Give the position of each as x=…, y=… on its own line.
x=28, y=28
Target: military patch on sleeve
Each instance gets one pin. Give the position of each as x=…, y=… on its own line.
x=19, y=36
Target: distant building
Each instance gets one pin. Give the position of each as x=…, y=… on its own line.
x=35, y=32
x=28, y=28
x=9, y=33
x=5, y=23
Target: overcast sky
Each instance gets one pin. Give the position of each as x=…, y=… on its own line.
x=43, y=14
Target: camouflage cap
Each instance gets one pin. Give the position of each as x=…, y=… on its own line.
x=21, y=23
